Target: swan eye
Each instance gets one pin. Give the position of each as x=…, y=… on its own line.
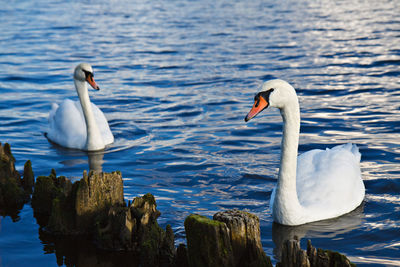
x=88, y=76
x=257, y=99
x=87, y=73
x=266, y=94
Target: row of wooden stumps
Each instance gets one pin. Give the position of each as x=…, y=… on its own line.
x=95, y=207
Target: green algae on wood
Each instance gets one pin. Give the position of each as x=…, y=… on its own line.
x=167, y=249
x=46, y=189
x=7, y=164
x=12, y=193
x=113, y=230
x=322, y=257
x=181, y=258
x=28, y=179
x=44, y=193
x=135, y=228
x=71, y=208
x=155, y=245
x=208, y=242
x=95, y=194
x=293, y=255
x=95, y=206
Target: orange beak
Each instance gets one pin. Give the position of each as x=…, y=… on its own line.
x=91, y=81
x=259, y=105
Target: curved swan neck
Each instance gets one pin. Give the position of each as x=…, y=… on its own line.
x=94, y=140
x=289, y=145
x=286, y=203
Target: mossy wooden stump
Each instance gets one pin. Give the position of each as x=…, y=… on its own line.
x=326, y=258
x=14, y=191
x=95, y=194
x=294, y=256
x=135, y=228
x=72, y=208
x=245, y=238
x=95, y=206
x=231, y=239
x=208, y=242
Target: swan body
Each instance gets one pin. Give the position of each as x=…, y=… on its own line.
x=317, y=185
x=80, y=124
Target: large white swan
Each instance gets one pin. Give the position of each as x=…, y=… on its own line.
x=80, y=124
x=317, y=185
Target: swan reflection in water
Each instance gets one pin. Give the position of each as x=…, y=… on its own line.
x=95, y=161
x=321, y=229
x=74, y=157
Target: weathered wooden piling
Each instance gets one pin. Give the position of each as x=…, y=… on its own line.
x=14, y=191
x=231, y=239
x=245, y=237
x=294, y=256
x=135, y=228
x=208, y=242
x=94, y=206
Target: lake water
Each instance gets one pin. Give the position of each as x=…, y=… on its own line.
x=177, y=79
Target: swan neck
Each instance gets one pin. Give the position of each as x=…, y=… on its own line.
x=286, y=203
x=289, y=145
x=93, y=139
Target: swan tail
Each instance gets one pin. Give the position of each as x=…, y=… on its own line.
x=54, y=107
x=354, y=149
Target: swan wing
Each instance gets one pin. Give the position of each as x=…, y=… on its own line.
x=329, y=181
x=271, y=200
x=102, y=123
x=67, y=125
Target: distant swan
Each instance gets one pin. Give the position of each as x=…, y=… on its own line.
x=80, y=124
x=317, y=185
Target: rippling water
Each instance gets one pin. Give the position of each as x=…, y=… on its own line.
x=177, y=79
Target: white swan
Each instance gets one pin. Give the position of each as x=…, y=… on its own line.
x=317, y=185
x=80, y=124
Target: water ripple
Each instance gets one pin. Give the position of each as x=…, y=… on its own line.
x=178, y=78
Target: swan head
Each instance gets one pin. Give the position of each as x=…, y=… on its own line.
x=84, y=72
x=275, y=93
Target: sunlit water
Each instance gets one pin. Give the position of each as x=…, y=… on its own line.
x=177, y=79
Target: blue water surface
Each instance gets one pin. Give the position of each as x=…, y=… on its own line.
x=177, y=79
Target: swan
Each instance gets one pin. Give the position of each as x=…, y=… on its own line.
x=80, y=124
x=317, y=185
